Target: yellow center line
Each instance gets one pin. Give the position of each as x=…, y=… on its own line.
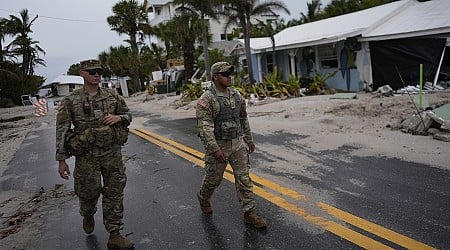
x=188, y=157
x=331, y=226
x=255, y=178
x=368, y=226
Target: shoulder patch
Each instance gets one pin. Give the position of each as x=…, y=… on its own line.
x=202, y=103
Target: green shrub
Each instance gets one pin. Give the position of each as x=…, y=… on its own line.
x=6, y=103
x=318, y=84
x=192, y=91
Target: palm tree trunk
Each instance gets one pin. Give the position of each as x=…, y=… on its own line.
x=135, y=67
x=248, y=55
x=205, y=49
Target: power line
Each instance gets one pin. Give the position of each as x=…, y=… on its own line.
x=59, y=18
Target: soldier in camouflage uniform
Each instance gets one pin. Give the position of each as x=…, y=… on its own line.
x=225, y=132
x=92, y=125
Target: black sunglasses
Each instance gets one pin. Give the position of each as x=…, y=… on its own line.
x=95, y=71
x=226, y=73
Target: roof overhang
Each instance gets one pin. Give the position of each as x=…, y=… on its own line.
x=421, y=33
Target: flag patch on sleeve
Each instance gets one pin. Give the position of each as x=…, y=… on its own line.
x=202, y=103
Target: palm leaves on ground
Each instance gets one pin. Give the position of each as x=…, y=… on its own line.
x=272, y=86
x=318, y=82
x=192, y=91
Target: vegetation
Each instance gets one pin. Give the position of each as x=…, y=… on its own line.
x=272, y=86
x=335, y=8
x=181, y=37
x=130, y=18
x=318, y=84
x=18, y=59
x=240, y=13
x=192, y=91
x=204, y=8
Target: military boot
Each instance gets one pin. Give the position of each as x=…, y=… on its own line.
x=205, y=205
x=254, y=219
x=117, y=241
x=88, y=224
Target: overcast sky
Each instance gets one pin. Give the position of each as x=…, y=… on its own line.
x=70, y=31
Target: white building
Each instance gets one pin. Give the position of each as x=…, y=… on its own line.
x=161, y=11
x=381, y=45
x=65, y=84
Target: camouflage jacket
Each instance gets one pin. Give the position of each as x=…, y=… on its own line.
x=208, y=108
x=80, y=111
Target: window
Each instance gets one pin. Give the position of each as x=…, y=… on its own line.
x=327, y=57
x=71, y=87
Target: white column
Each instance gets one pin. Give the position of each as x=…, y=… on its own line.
x=258, y=62
x=292, y=54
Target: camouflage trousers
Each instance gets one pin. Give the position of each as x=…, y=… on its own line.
x=89, y=171
x=238, y=157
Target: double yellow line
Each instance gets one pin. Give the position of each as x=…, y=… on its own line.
x=279, y=196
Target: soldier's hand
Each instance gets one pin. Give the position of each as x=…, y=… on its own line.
x=251, y=147
x=63, y=170
x=111, y=119
x=220, y=156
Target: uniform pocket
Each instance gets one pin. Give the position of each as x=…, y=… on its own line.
x=229, y=130
x=103, y=137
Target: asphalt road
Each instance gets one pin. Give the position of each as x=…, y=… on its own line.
x=399, y=205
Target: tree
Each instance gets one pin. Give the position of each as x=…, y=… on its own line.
x=130, y=18
x=205, y=8
x=341, y=7
x=74, y=69
x=3, y=34
x=270, y=31
x=22, y=45
x=18, y=59
x=157, y=55
x=118, y=61
x=240, y=13
x=181, y=32
x=188, y=31
x=152, y=58
x=313, y=12
x=166, y=33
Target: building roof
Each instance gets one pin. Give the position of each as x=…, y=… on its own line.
x=335, y=28
x=68, y=79
x=260, y=43
x=159, y=2
x=404, y=18
x=229, y=47
x=418, y=19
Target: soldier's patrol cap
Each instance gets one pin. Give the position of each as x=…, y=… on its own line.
x=90, y=64
x=220, y=67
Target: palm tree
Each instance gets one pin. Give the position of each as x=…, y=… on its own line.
x=241, y=12
x=166, y=33
x=188, y=31
x=119, y=60
x=204, y=8
x=341, y=7
x=270, y=31
x=3, y=33
x=129, y=18
x=313, y=11
x=22, y=45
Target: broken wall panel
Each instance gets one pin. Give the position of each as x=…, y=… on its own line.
x=405, y=55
